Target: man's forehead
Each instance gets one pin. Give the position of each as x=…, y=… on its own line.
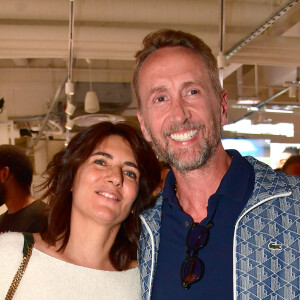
x=161, y=67
x=172, y=59
x=167, y=52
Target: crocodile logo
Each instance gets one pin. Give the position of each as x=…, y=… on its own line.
x=274, y=246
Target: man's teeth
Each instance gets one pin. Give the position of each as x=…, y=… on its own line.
x=181, y=137
x=109, y=196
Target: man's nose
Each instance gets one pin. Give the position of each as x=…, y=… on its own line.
x=179, y=111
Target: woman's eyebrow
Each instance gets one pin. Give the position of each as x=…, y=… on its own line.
x=131, y=164
x=128, y=163
x=103, y=154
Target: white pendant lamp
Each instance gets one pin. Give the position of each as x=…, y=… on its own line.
x=91, y=101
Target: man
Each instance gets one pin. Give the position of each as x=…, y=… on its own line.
x=224, y=226
x=24, y=213
x=287, y=152
x=292, y=165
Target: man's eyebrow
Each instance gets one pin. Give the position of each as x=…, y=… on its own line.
x=189, y=83
x=158, y=89
x=127, y=163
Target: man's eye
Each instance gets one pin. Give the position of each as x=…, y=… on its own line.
x=160, y=99
x=192, y=92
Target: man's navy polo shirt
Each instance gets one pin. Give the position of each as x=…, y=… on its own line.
x=217, y=282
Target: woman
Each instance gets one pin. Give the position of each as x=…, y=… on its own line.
x=96, y=189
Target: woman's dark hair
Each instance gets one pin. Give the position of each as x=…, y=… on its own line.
x=61, y=172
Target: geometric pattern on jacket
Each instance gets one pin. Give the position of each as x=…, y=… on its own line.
x=148, y=246
x=266, y=240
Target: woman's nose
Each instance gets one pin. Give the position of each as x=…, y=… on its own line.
x=115, y=176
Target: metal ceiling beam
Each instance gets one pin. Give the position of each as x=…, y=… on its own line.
x=270, y=50
x=261, y=104
x=34, y=141
x=258, y=31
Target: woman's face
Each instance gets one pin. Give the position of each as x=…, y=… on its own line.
x=107, y=183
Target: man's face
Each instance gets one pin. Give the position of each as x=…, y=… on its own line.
x=180, y=113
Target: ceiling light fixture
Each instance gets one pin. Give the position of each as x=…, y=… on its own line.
x=70, y=109
x=69, y=88
x=91, y=101
x=280, y=111
x=248, y=101
x=69, y=85
x=69, y=124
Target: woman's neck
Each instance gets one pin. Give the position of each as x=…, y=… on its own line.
x=91, y=248
x=88, y=246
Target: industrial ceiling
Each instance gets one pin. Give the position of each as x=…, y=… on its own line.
x=257, y=42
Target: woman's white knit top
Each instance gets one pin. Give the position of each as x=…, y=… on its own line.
x=48, y=278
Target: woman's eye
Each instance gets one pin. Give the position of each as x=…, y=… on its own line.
x=130, y=174
x=100, y=162
x=192, y=92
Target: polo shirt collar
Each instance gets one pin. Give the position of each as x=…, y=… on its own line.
x=239, y=178
x=237, y=182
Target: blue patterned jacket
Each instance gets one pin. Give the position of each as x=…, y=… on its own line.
x=266, y=240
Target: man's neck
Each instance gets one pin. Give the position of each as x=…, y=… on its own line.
x=195, y=187
x=16, y=203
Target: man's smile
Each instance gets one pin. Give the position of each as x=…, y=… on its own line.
x=182, y=137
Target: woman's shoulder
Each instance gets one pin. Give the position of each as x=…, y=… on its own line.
x=11, y=241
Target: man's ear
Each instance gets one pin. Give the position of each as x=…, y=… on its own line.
x=142, y=125
x=224, y=117
x=4, y=174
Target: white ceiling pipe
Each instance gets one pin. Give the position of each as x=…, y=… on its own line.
x=92, y=42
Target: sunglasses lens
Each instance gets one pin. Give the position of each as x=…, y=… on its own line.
x=198, y=237
x=192, y=270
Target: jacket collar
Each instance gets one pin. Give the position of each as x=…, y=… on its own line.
x=153, y=214
x=268, y=183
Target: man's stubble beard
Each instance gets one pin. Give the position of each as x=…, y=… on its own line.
x=200, y=154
